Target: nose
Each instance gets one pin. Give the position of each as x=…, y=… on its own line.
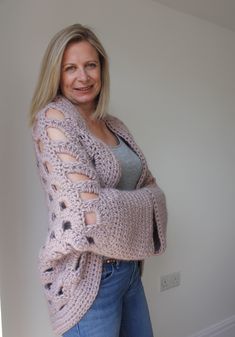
x=82, y=75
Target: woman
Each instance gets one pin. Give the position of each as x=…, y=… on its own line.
x=106, y=213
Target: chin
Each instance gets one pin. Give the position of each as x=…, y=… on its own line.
x=87, y=99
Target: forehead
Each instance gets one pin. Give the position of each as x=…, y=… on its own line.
x=80, y=51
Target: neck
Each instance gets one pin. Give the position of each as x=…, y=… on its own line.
x=86, y=110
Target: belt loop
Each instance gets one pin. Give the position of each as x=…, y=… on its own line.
x=118, y=264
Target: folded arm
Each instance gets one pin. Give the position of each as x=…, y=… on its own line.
x=84, y=216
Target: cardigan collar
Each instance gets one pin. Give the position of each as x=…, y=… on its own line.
x=115, y=125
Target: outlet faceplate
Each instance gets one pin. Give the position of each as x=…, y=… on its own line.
x=170, y=281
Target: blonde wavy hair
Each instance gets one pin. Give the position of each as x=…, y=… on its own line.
x=48, y=84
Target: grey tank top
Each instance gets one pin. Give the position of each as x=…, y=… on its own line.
x=131, y=166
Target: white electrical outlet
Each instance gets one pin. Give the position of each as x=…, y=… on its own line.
x=170, y=281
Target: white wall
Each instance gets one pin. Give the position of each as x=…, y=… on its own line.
x=173, y=84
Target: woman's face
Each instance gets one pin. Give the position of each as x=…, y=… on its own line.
x=80, y=79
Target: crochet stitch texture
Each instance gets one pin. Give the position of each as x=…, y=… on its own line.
x=130, y=225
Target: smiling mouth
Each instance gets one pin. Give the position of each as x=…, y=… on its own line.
x=84, y=88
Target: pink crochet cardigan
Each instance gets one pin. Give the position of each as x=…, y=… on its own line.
x=130, y=225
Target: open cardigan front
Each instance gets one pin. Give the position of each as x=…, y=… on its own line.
x=130, y=225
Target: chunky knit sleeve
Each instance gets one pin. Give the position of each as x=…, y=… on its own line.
x=125, y=221
x=159, y=213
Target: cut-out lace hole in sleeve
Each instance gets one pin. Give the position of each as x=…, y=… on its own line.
x=66, y=225
x=65, y=157
x=48, y=270
x=55, y=187
x=44, y=180
x=54, y=114
x=90, y=240
x=40, y=146
x=77, y=177
x=48, y=286
x=55, y=134
x=77, y=264
x=62, y=205
x=48, y=167
x=60, y=292
x=52, y=235
x=90, y=218
x=88, y=196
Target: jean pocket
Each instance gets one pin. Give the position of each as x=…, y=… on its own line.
x=107, y=272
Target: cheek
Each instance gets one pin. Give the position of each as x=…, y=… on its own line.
x=62, y=82
x=66, y=81
x=96, y=74
x=98, y=78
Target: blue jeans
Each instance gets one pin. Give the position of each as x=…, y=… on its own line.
x=120, y=308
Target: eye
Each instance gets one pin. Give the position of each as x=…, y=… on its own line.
x=91, y=65
x=70, y=68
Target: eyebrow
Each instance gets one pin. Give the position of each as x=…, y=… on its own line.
x=74, y=64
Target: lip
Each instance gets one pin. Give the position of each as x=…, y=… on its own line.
x=83, y=88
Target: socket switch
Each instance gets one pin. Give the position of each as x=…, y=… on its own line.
x=170, y=281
